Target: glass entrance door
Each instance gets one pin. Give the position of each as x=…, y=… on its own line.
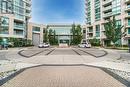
x=65, y=41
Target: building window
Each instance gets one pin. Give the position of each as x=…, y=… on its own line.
x=129, y=22
x=128, y=13
x=37, y=29
x=116, y=7
x=4, y=27
x=97, y=30
x=84, y=31
x=97, y=10
x=128, y=30
x=118, y=23
x=44, y=30
x=18, y=32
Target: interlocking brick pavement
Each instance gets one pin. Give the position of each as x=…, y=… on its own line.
x=63, y=76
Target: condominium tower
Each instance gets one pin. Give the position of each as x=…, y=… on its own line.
x=97, y=13
x=14, y=17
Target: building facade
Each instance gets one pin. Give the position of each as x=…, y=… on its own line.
x=14, y=18
x=36, y=33
x=99, y=11
x=63, y=33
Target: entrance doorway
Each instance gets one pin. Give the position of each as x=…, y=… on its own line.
x=64, y=42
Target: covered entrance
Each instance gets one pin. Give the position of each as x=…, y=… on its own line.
x=64, y=39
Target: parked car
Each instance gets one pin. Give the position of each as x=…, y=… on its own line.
x=84, y=45
x=44, y=45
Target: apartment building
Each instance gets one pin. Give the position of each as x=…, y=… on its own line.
x=14, y=18
x=97, y=13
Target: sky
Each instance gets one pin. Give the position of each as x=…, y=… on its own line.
x=58, y=11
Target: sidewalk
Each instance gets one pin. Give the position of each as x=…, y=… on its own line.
x=16, y=48
x=111, y=65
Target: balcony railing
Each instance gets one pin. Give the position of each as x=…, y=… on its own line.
x=127, y=8
x=127, y=1
x=107, y=8
x=108, y=14
x=21, y=27
x=107, y=2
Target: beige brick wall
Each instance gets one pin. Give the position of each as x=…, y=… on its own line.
x=30, y=31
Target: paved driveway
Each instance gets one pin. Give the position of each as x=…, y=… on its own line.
x=60, y=56
x=61, y=76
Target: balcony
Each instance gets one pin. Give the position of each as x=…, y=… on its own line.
x=127, y=1
x=90, y=31
x=19, y=27
x=28, y=1
x=105, y=9
x=128, y=15
x=127, y=8
x=28, y=8
x=127, y=25
x=28, y=15
x=107, y=2
x=18, y=33
x=108, y=15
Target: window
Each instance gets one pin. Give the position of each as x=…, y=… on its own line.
x=37, y=29
x=128, y=30
x=118, y=23
x=4, y=25
x=116, y=6
x=129, y=22
x=97, y=10
x=97, y=30
x=84, y=31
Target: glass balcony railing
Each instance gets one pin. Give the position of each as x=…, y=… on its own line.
x=108, y=14
x=127, y=1
x=21, y=27
x=107, y=8
x=107, y=1
x=90, y=31
x=20, y=33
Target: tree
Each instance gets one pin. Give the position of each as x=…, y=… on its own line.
x=55, y=39
x=73, y=34
x=50, y=36
x=113, y=31
x=95, y=42
x=78, y=34
x=46, y=34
